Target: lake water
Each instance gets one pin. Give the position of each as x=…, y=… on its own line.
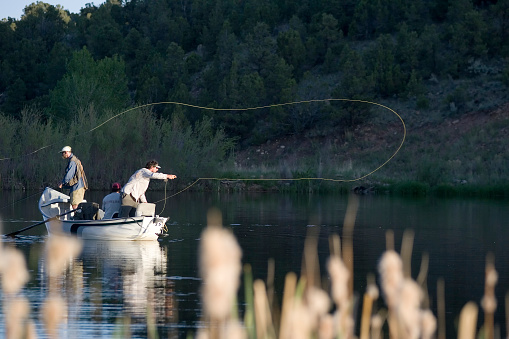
x=112, y=279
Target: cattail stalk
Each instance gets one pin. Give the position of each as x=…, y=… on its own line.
x=370, y=296
x=489, y=302
x=441, y=308
x=367, y=308
x=348, y=227
x=468, y=321
x=407, y=245
x=288, y=300
x=264, y=329
x=391, y=274
x=220, y=268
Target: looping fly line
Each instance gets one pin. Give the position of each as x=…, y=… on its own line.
x=252, y=109
x=286, y=104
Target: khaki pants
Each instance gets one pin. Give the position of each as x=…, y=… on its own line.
x=77, y=196
x=129, y=206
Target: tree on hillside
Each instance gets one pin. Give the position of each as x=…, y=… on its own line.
x=291, y=48
x=104, y=36
x=16, y=98
x=466, y=36
x=356, y=84
x=429, y=49
x=175, y=68
x=500, y=40
x=386, y=73
x=407, y=49
x=136, y=51
x=88, y=83
x=369, y=19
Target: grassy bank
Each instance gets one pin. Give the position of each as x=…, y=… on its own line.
x=462, y=155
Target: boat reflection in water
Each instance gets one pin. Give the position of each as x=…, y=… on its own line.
x=112, y=282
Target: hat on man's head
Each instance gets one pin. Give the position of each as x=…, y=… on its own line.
x=158, y=166
x=115, y=186
x=66, y=149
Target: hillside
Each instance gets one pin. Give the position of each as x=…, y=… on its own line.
x=441, y=147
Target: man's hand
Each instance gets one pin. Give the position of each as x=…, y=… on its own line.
x=171, y=176
x=60, y=186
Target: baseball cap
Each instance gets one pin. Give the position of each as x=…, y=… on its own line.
x=66, y=149
x=115, y=186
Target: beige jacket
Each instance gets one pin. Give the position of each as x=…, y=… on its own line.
x=138, y=183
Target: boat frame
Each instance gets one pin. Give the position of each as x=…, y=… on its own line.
x=53, y=203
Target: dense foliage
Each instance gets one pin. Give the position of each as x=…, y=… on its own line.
x=229, y=54
x=63, y=73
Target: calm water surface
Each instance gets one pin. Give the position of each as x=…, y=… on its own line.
x=110, y=280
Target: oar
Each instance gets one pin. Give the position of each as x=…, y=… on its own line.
x=12, y=234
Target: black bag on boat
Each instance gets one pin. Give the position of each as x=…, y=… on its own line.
x=89, y=211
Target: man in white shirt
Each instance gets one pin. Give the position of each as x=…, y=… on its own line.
x=133, y=192
x=112, y=202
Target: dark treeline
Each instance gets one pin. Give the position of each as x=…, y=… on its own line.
x=61, y=72
x=228, y=54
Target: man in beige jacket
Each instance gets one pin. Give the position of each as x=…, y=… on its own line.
x=133, y=192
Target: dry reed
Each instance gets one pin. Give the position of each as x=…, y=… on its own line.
x=220, y=268
x=53, y=312
x=468, y=321
x=489, y=302
x=13, y=269
x=16, y=317
x=60, y=251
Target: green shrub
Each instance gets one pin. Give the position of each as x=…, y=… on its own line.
x=411, y=188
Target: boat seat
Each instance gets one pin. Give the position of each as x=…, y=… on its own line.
x=146, y=209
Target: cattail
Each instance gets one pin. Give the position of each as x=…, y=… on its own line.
x=14, y=270
x=60, y=250
x=377, y=322
x=53, y=312
x=367, y=308
x=300, y=321
x=468, y=321
x=220, y=268
x=326, y=327
x=31, y=333
x=489, y=302
x=340, y=290
x=16, y=314
x=235, y=330
x=262, y=310
x=288, y=301
x=345, y=322
x=318, y=302
x=408, y=309
x=391, y=273
x=428, y=324
x=339, y=274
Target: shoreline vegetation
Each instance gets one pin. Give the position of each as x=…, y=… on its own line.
x=261, y=90
x=111, y=146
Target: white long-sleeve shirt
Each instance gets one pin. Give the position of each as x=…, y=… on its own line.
x=138, y=183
